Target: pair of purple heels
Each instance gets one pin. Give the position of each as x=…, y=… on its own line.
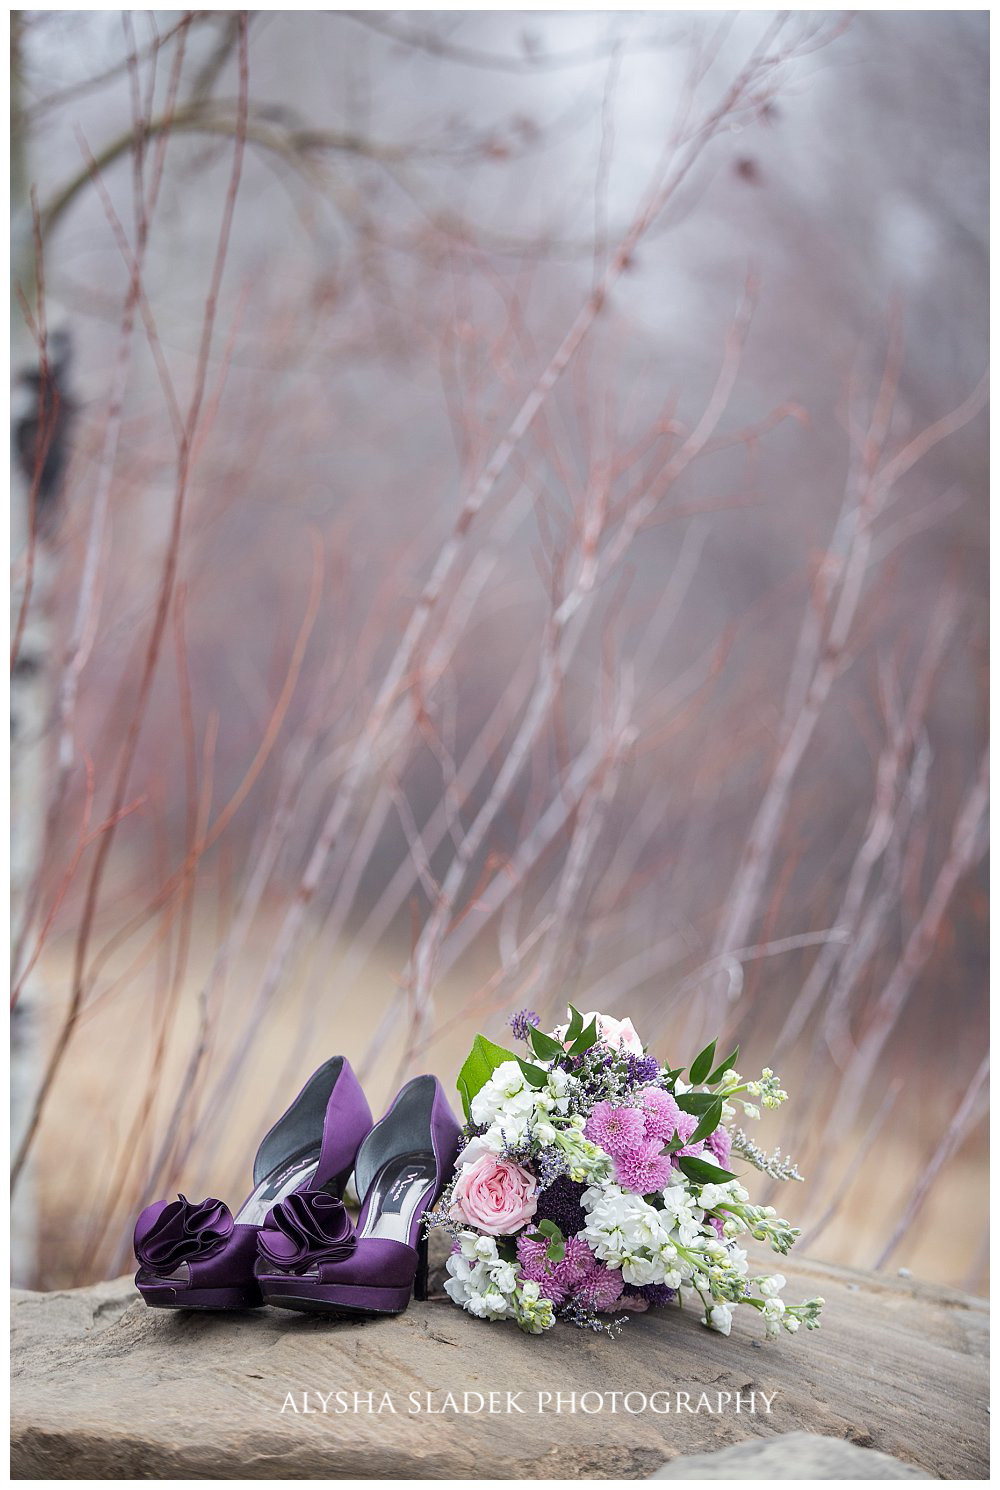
x=292, y=1243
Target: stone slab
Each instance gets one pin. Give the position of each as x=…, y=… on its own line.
x=790, y=1456
x=105, y=1388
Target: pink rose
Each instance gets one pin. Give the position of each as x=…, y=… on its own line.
x=494, y=1195
x=618, y=1032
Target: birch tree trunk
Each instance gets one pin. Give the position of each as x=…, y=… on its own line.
x=40, y=414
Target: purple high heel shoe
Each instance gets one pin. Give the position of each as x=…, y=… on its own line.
x=197, y=1255
x=310, y=1256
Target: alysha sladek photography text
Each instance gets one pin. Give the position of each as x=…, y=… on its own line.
x=536, y=1401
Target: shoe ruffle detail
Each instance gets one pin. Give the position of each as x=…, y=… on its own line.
x=308, y=1228
x=178, y=1231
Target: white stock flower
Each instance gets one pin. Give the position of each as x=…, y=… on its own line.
x=475, y=1245
x=720, y=1318
x=504, y=1275
x=533, y=1313
x=512, y=1111
x=459, y=1267
x=458, y=1286
x=585, y=1160
x=738, y=1260
x=624, y=1231
x=769, y=1288
x=475, y=1287
x=677, y=1202
x=506, y=1082
x=640, y=1270
x=559, y=1087
x=689, y=1231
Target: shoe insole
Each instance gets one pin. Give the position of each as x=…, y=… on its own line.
x=396, y=1192
x=278, y=1186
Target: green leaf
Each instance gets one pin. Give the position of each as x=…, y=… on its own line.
x=702, y=1064
x=709, y=1122
x=480, y=1063
x=549, y=1232
x=695, y=1101
x=729, y=1064
x=544, y=1046
x=703, y=1173
x=575, y=1023
x=585, y=1039
x=533, y=1075
x=547, y=1229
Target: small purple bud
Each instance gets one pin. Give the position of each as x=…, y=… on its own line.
x=523, y=1021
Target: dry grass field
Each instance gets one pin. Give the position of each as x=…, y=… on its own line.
x=104, y=1089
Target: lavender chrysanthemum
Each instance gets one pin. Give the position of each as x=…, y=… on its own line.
x=643, y=1170
x=600, y=1288
x=556, y=1280
x=686, y=1124
x=661, y=1113
x=720, y=1146
x=618, y=1130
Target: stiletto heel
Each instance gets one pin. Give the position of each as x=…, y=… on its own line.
x=310, y=1258
x=420, y=1281
x=338, y=1184
x=197, y=1255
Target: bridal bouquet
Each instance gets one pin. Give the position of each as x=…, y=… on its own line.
x=595, y=1181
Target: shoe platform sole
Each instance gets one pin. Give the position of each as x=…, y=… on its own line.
x=336, y=1299
x=214, y=1299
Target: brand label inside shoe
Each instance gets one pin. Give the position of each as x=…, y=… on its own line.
x=394, y=1197
x=399, y=1187
x=278, y=1186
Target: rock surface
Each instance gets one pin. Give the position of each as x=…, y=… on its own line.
x=790, y=1456
x=105, y=1388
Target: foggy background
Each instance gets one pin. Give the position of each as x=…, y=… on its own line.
x=420, y=207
